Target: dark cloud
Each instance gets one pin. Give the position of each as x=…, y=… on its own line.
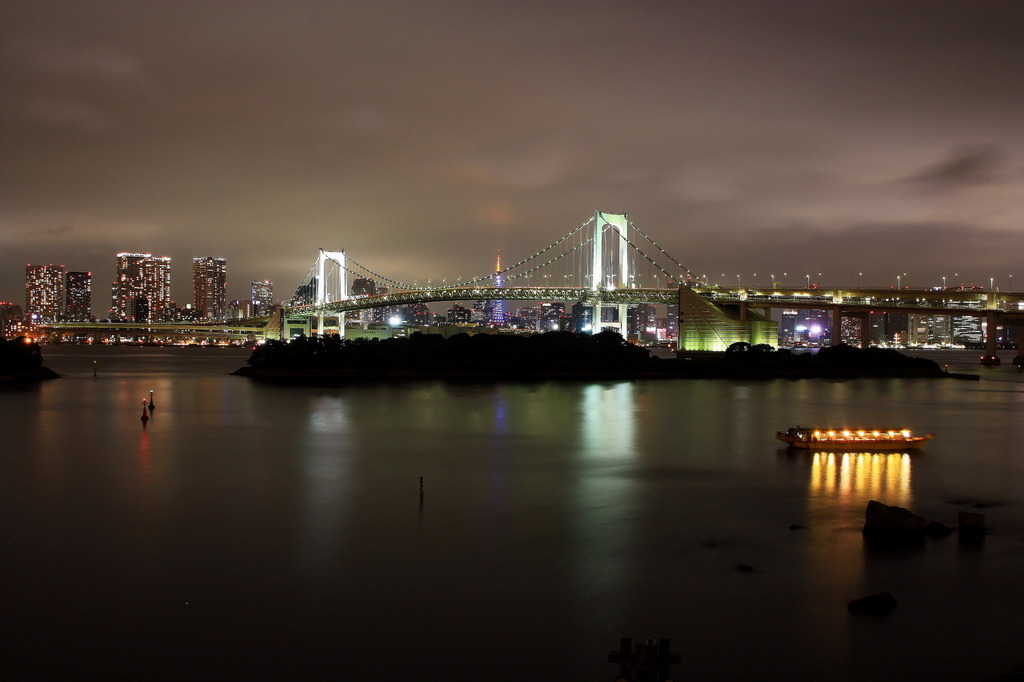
x=967, y=166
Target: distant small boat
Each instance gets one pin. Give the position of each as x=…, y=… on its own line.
x=851, y=439
x=990, y=361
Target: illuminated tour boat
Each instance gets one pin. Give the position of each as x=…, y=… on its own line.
x=851, y=439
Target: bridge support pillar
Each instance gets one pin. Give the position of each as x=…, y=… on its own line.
x=837, y=325
x=991, y=322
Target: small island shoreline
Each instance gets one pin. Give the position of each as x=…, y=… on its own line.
x=560, y=357
x=21, y=362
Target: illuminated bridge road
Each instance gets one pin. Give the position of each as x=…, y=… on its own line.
x=575, y=294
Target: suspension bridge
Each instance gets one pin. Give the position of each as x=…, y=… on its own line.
x=605, y=263
x=608, y=264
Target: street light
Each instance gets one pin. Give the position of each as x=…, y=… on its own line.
x=808, y=281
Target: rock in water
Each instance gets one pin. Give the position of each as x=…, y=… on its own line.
x=883, y=520
x=877, y=604
x=972, y=525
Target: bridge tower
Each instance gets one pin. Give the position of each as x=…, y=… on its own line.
x=323, y=296
x=617, y=274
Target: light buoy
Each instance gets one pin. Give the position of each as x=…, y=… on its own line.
x=151, y=404
x=145, y=414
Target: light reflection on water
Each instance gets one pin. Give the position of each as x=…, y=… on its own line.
x=852, y=477
x=603, y=498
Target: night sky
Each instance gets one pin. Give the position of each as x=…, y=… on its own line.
x=420, y=136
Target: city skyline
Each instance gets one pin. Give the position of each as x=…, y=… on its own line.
x=797, y=137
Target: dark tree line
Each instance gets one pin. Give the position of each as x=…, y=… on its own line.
x=550, y=353
x=562, y=354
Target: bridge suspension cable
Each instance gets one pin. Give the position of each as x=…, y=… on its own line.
x=575, y=266
x=658, y=247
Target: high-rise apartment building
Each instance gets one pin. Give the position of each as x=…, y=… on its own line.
x=262, y=296
x=141, y=290
x=44, y=293
x=209, y=286
x=78, y=297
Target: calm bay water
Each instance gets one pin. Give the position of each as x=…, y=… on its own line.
x=260, y=532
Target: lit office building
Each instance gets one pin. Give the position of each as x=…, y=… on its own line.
x=640, y=319
x=527, y=317
x=141, y=290
x=787, y=327
x=78, y=297
x=924, y=330
x=240, y=309
x=209, y=287
x=850, y=328
x=12, y=319
x=553, y=317
x=262, y=296
x=582, y=317
x=362, y=287
x=458, y=315
x=44, y=293
x=671, y=321
x=416, y=314
x=967, y=331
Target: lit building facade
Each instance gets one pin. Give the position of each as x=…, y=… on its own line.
x=458, y=315
x=78, y=297
x=209, y=287
x=416, y=314
x=582, y=318
x=261, y=293
x=141, y=290
x=44, y=293
x=12, y=320
x=361, y=287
